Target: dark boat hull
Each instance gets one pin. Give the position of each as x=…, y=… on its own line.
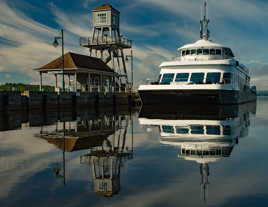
x=221, y=97
x=196, y=112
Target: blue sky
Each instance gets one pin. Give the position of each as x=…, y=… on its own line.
x=157, y=27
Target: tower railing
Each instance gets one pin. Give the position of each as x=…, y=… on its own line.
x=106, y=40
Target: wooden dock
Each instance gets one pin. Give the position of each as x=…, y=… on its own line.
x=52, y=101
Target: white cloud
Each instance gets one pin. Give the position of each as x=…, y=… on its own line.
x=148, y=31
x=75, y=23
x=28, y=157
x=33, y=40
x=147, y=61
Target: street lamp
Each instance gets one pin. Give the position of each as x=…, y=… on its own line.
x=131, y=58
x=56, y=44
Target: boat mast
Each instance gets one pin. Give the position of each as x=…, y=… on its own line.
x=204, y=31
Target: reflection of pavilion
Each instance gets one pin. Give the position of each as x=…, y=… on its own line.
x=104, y=138
x=80, y=134
x=203, y=140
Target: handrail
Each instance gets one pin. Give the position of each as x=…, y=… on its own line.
x=105, y=40
x=197, y=58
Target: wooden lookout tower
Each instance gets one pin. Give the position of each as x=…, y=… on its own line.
x=108, y=43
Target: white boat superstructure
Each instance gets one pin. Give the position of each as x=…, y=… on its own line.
x=203, y=68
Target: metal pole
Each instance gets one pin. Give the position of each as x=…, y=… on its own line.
x=63, y=137
x=41, y=81
x=131, y=70
x=131, y=133
x=62, y=47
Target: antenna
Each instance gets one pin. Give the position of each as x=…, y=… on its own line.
x=204, y=24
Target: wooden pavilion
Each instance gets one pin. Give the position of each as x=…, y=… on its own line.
x=84, y=73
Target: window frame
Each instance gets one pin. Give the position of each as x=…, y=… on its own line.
x=163, y=77
x=219, y=77
x=100, y=18
x=176, y=78
x=197, y=82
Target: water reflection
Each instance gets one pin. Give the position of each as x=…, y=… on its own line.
x=203, y=135
x=180, y=153
x=103, y=142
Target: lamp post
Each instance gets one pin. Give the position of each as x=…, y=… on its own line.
x=131, y=56
x=56, y=44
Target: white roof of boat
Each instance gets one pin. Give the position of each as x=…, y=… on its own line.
x=200, y=44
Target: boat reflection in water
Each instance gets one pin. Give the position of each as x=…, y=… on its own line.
x=203, y=135
x=104, y=143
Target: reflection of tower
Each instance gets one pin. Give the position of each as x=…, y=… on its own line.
x=107, y=43
x=106, y=174
x=107, y=160
x=204, y=172
x=69, y=136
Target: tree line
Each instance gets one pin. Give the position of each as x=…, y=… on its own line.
x=24, y=87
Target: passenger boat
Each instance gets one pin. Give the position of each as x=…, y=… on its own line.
x=204, y=72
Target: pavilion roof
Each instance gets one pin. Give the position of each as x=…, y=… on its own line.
x=75, y=61
x=78, y=143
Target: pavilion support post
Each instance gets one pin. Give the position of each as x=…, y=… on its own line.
x=41, y=82
x=56, y=78
x=69, y=80
x=75, y=77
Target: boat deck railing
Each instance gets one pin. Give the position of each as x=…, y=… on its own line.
x=198, y=58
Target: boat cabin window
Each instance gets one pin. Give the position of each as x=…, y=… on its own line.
x=218, y=51
x=167, y=78
x=205, y=51
x=182, y=130
x=168, y=129
x=227, y=78
x=213, y=130
x=182, y=77
x=197, y=78
x=199, y=52
x=213, y=78
x=228, y=52
x=197, y=129
x=212, y=51
x=193, y=52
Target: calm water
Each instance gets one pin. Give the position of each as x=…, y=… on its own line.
x=184, y=157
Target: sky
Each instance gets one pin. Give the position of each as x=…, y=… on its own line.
x=158, y=28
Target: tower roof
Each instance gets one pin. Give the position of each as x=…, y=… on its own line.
x=105, y=7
